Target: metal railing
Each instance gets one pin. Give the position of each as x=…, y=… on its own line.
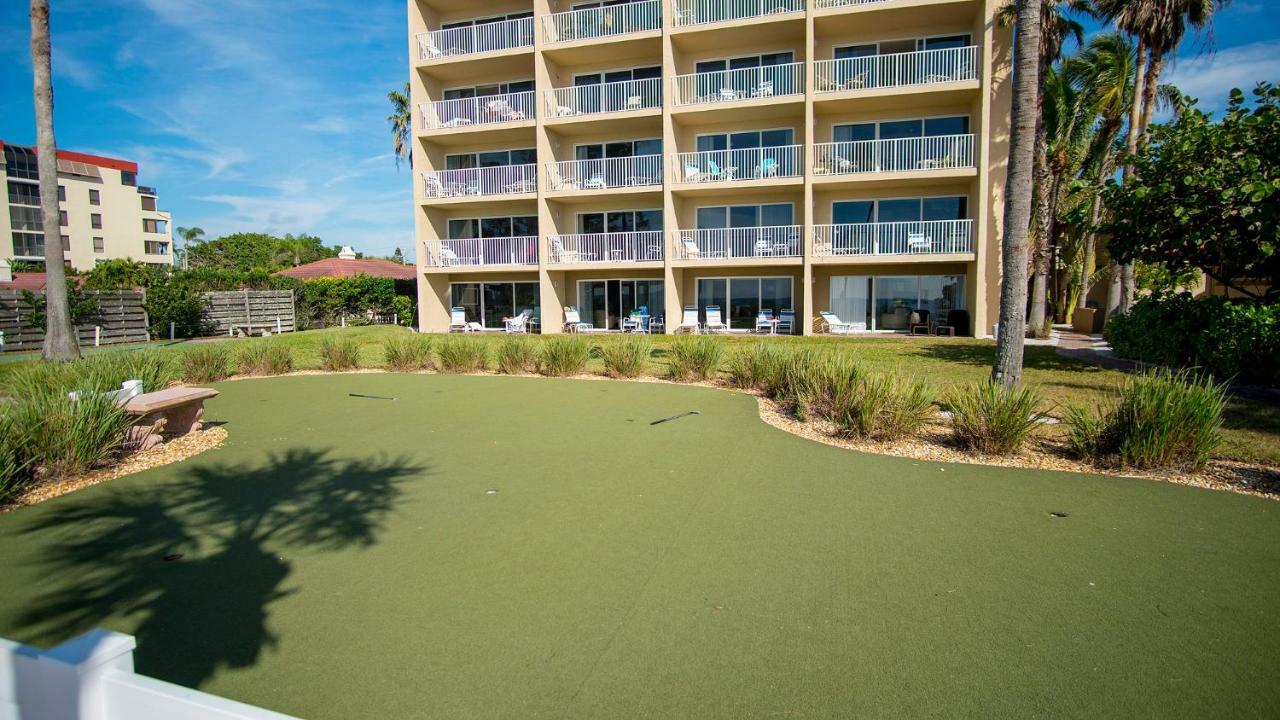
x=899, y=155
x=924, y=67
x=605, y=173
x=484, y=110
x=824, y=4
x=599, y=22
x=742, y=84
x=521, y=250
x=741, y=242
x=893, y=238
x=699, y=12
x=708, y=166
x=498, y=180
x=638, y=246
x=486, y=37
x=610, y=97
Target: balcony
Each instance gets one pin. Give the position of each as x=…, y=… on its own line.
x=473, y=252
x=610, y=97
x=925, y=67
x=604, y=174
x=702, y=12
x=602, y=22
x=485, y=110
x=780, y=241
x=489, y=37
x=930, y=237
x=754, y=83
x=913, y=154
x=725, y=166
x=146, y=190
x=479, y=182
x=614, y=247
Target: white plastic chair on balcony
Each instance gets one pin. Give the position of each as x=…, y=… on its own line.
x=561, y=254
x=437, y=188
x=729, y=95
x=688, y=321
x=573, y=321
x=768, y=167
x=918, y=241
x=692, y=173
x=595, y=182
x=763, y=248
x=458, y=321
x=715, y=320
x=692, y=250
x=558, y=181
x=635, y=102
x=429, y=47
x=764, y=89
x=566, y=111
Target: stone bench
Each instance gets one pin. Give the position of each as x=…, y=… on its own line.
x=176, y=411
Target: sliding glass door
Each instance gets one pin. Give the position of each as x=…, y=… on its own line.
x=885, y=302
x=490, y=303
x=604, y=303
x=741, y=299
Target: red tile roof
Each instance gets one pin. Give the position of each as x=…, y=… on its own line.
x=339, y=268
x=25, y=281
x=98, y=160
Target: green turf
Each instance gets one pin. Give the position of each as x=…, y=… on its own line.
x=343, y=559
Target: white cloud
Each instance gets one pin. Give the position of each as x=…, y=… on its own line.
x=1210, y=77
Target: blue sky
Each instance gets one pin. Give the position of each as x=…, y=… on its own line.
x=270, y=114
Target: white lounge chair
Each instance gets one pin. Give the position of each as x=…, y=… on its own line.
x=786, y=321
x=458, y=321
x=595, y=182
x=517, y=324
x=559, y=252
x=715, y=321
x=558, y=181
x=692, y=174
x=764, y=321
x=573, y=321
x=693, y=252
x=688, y=321
x=835, y=326
x=449, y=258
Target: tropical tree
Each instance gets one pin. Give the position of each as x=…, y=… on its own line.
x=189, y=235
x=60, y=342
x=1007, y=368
x=401, y=120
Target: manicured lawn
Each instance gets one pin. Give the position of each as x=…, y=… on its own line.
x=344, y=557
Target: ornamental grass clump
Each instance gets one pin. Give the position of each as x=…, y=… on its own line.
x=265, y=357
x=563, y=355
x=694, y=358
x=993, y=419
x=626, y=358
x=56, y=436
x=1160, y=419
x=338, y=354
x=749, y=366
x=13, y=475
x=206, y=362
x=516, y=355
x=461, y=355
x=97, y=373
x=882, y=407
x=407, y=353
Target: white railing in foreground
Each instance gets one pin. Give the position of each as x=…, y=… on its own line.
x=638, y=246
x=610, y=97
x=92, y=677
x=486, y=37
x=924, y=237
x=925, y=67
x=484, y=110
x=598, y=22
x=937, y=152
x=741, y=242
x=498, y=180
x=697, y=12
x=707, y=166
x=742, y=84
x=638, y=171
x=521, y=250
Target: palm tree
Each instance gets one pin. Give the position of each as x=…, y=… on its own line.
x=189, y=235
x=60, y=342
x=401, y=119
x=1007, y=368
x=1069, y=131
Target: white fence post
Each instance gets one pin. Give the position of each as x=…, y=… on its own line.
x=97, y=335
x=171, y=331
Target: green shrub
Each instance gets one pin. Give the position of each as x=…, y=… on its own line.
x=175, y=301
x=516, y=355
x=627, y=357
x=461, y=354
x=1160, y=418
x=882, y=407
x=694, y=358
x=13, y=475
x=991, y=418
x=62, y=437
x=206, y=362
x=265, y=357
x=563, y=355
x=97, y=373
x=338, y=354
x=409, y=352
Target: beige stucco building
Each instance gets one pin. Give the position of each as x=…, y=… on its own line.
x=105, y=213
x=805, y=155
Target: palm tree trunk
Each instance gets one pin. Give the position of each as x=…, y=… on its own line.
x=1090, y=253
x=1007, y=368
x=1043, y=187
x=59, y=337
x=1137, y=127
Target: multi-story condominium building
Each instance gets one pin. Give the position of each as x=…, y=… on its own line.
x=842, y=156
x=106, y=214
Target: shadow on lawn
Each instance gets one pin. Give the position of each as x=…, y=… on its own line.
x=1036, y=357
x=234, y=526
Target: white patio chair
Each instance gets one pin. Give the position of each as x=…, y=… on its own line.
x=763, y=248
x=517, y=324
x=448, y=258
x=455, y=122
x=692, y=173
x=458, y=321
x=764, y=321
x=692, y=250
x=635, y=102
x=688, y=321
x=728, y=95
x=764, y=89
x=595, y=182
x=715, y=320
x=560, y=253
x=573, y=321
x=786, y=321
x=918, y=241
x=559, y=182
x=835, y=326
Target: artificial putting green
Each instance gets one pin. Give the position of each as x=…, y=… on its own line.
x=490, y=547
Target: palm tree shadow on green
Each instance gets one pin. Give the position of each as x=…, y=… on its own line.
x=233, y=527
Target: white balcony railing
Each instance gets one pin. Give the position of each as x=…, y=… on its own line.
x=699, y=12
x=498, y=180
x=485, y=110
x=610, y=97
x=742, y=84
x=894, y=238
x=925, y=67
x=483, y=251
x=486, y=37
x=742, y=242
x=638, y=171
x=640, y=246
x=631, y=17
x=900, y=155
x=783, y=161
x=824, y=4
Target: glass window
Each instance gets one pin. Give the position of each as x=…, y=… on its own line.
x=900, y=129
x=62, y=218
x=463, y=229
x=949, y=41
x=148, y=203
x=21, y=193
x=899, y=210
x=711, y=291
x=94, y=197
x=775, y=295
x=849, y=296
x=26, y=218
x=128, y=178
x=648, y=220
x=744, y=302
x=526, y=294
x=524, y=225
x=860, y=131
x=895, y=300
x=854, y=51
x=499, y=227
x=712, y=217
x=62, y=193
x=945, y=208
x=934, y=127
x=779, y=214
x=467, y=296
x=99, y=245
x=21, y=163
x=744, y=216
x=853, y=211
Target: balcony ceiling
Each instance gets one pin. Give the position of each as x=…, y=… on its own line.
x=762, y=34
x=507, y=135
x=612, y=52
x=643, y=123
x=897, y=19
x=855, y=102
x=789, y=108
x=505, y=64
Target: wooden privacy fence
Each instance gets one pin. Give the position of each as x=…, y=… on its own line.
x=120, y=318
x=250, y=310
